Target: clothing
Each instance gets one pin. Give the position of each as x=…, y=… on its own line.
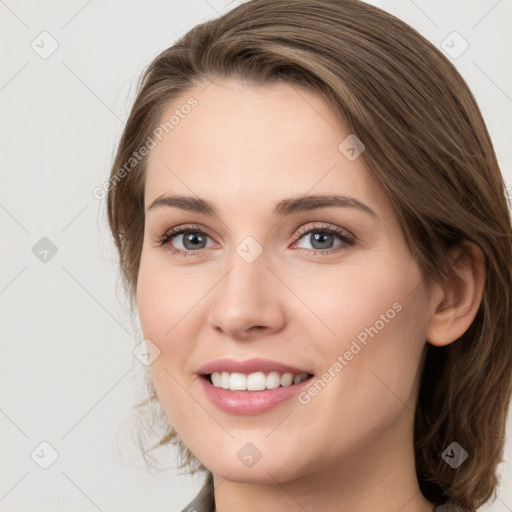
x=204, y=500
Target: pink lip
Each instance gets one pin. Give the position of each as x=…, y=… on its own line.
x=248, y=366
x=248, y=403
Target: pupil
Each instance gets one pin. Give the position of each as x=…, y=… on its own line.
x=321, y=239
x=193, y=237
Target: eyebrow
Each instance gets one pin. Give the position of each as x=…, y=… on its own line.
x=281, y=209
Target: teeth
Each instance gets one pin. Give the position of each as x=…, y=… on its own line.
x=216, y=379
x=257, y=381
x=224, y=380
x=286, y=379
x=238, y=382
x=273, y=380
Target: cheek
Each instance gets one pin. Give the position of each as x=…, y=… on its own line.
x=153, y=304
x=166, y=311
x=167, y=370
x=375, y=336
x=166, y=298
x=370, y=366
x=372, y=299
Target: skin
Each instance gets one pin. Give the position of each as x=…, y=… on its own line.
x=351, y=447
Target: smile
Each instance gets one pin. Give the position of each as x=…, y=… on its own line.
x=257, y=381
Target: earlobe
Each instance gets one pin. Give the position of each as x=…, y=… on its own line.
x=455, y=302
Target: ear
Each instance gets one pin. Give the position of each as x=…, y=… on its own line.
x=455, y=302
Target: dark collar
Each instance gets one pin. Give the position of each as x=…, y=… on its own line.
x=204, y=501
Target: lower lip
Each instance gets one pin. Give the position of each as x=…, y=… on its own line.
x=247, y=403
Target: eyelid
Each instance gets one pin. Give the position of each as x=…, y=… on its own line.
x=187, y=227
x=327, y=227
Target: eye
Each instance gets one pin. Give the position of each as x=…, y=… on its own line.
x=322, y=238
x=192, y=239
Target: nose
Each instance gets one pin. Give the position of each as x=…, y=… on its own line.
x=249, y=301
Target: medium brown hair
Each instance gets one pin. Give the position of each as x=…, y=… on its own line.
x=429, y=147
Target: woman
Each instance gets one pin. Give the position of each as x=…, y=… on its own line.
x=313, y=225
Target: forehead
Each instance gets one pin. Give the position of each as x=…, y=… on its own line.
x=244, y=142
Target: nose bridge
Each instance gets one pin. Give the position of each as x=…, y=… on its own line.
x=246, y=284
x=247, y=262
x=248, y=296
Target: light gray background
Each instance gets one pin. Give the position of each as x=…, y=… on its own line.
x=68, y=376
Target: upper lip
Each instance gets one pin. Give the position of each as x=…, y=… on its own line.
x=248, y=366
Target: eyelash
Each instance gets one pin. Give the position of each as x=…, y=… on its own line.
x=347, y=240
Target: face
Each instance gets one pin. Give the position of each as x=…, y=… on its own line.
x=295, y=265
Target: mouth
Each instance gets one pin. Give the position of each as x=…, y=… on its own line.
x=253, y=393
x=251, y=386
x=256, y=381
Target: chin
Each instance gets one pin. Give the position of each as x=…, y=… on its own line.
x=265, y=471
